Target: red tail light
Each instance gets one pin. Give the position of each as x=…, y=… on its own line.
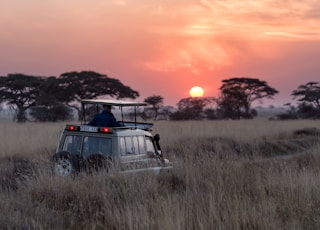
x=72, y=127
x=105, y=130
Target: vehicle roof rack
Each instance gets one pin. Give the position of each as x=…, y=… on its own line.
x=112, y=102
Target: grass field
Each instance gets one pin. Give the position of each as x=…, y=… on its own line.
x=254, y=174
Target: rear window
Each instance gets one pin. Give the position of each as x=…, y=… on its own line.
x=97, y=145
x=72, y=144
x=87, y=145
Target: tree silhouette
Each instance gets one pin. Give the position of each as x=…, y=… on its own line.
x=191, y=108
x=239, y=93
x=88, y=84
x=48, y=95
x=156, y=101
x=51, y=102
x=308, y=96
x=308, y=93
x=20, y=91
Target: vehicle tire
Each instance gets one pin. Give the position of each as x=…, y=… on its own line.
x=64, y=164
x=98, y=162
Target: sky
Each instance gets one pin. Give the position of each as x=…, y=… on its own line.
x=165, y=47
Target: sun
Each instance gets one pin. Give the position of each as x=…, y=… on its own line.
x=196, y=91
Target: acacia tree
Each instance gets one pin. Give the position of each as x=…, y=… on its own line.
x=20, y=92
x=229, y=106
x=238, y=94
x=51, y=102
x=308, y=93
x=50, y=95
x=192, y=108
x=88, y=84
x=156, y=101
x=308, y=96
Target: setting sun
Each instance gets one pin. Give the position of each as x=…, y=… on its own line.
x=196, y=91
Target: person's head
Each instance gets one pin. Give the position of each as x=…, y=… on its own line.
x=107, y=107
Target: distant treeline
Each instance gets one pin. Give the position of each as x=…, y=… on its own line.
x=55, y=98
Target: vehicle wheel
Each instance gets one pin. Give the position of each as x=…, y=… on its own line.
x=64, y=164
x=97, y=162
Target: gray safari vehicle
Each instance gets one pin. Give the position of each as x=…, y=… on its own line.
x=128, y=148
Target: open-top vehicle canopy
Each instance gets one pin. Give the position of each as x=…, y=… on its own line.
x=112, y=102
x=121, y=104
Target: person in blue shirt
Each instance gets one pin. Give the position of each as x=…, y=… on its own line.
x=105, y=118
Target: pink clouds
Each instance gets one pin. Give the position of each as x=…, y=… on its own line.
x=183, y=42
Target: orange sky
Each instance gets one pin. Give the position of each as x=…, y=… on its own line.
x=165, y=47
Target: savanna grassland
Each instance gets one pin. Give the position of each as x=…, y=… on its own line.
x=253, y=174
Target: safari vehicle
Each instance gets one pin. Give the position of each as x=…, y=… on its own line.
x=128, y=148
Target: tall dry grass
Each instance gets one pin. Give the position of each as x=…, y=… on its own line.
x=255, y=174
